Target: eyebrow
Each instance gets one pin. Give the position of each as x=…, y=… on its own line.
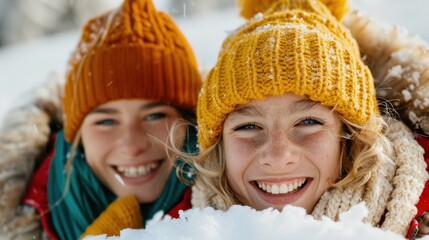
x=302, y=105
x=246, y=111
x=108, y=110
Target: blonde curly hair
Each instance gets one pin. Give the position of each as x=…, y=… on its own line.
x=364, y=149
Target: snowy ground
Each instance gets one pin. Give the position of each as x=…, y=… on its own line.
x=245, y=223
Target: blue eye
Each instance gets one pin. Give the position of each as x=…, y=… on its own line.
x=309, y=121
x=247, y=126
x=156, y=116
x=106, y=122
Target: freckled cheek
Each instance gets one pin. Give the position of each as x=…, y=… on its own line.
x=320, y=143
x=235, y=175
x=240, y=148
x=238, y=157
x=252, y=141
x=325, y=152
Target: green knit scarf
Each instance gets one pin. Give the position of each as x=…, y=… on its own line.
x=86, y=197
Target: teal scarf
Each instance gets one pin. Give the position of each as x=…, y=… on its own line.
x=87, y=197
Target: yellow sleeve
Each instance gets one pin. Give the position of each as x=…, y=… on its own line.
x=120, y=214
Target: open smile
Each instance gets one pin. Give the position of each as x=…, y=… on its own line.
x=287, y=187
x=280, y=193
x=138, y=171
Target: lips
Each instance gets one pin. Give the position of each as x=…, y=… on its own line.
x=286, y=187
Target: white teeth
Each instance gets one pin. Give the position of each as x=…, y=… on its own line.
x=275, y=189
x=283, y=188
x=137, y=171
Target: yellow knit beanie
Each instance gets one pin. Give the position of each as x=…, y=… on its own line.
x=133, y=52
x=296, y=46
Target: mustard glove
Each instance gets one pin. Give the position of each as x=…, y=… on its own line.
x=120, y=214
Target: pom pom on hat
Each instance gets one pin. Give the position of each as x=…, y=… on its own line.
x=249, y=8
x=339, y=8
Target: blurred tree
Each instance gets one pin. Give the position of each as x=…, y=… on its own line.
x=184, y=8
x=22, y=20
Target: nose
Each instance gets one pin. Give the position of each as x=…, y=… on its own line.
x=278, y=151
x=134, y=140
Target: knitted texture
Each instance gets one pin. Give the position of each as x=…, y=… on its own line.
x=293, y=46
x=130, y=53
x=121, y=214
x=390, y=195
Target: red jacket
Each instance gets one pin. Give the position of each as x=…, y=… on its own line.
x=184, y=204
x=37, y=195
x=423, y=204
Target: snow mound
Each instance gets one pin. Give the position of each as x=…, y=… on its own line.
x=241, y=222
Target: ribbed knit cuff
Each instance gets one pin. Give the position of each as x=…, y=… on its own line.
x=121, y=214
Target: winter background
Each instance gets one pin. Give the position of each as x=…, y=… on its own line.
x=26, y=63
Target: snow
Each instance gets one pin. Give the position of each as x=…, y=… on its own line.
x=24, y=66
x=406, y=94
x=242, y=222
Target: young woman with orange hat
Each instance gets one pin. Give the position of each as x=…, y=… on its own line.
x=132, y=78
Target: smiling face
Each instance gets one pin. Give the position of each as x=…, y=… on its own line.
x=281, y=150
x=125, y=146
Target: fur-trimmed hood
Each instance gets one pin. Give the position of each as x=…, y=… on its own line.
x=24, y=135
x=399, y=63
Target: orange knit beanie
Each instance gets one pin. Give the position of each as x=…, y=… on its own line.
x=133, y=52
x=296, y=46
